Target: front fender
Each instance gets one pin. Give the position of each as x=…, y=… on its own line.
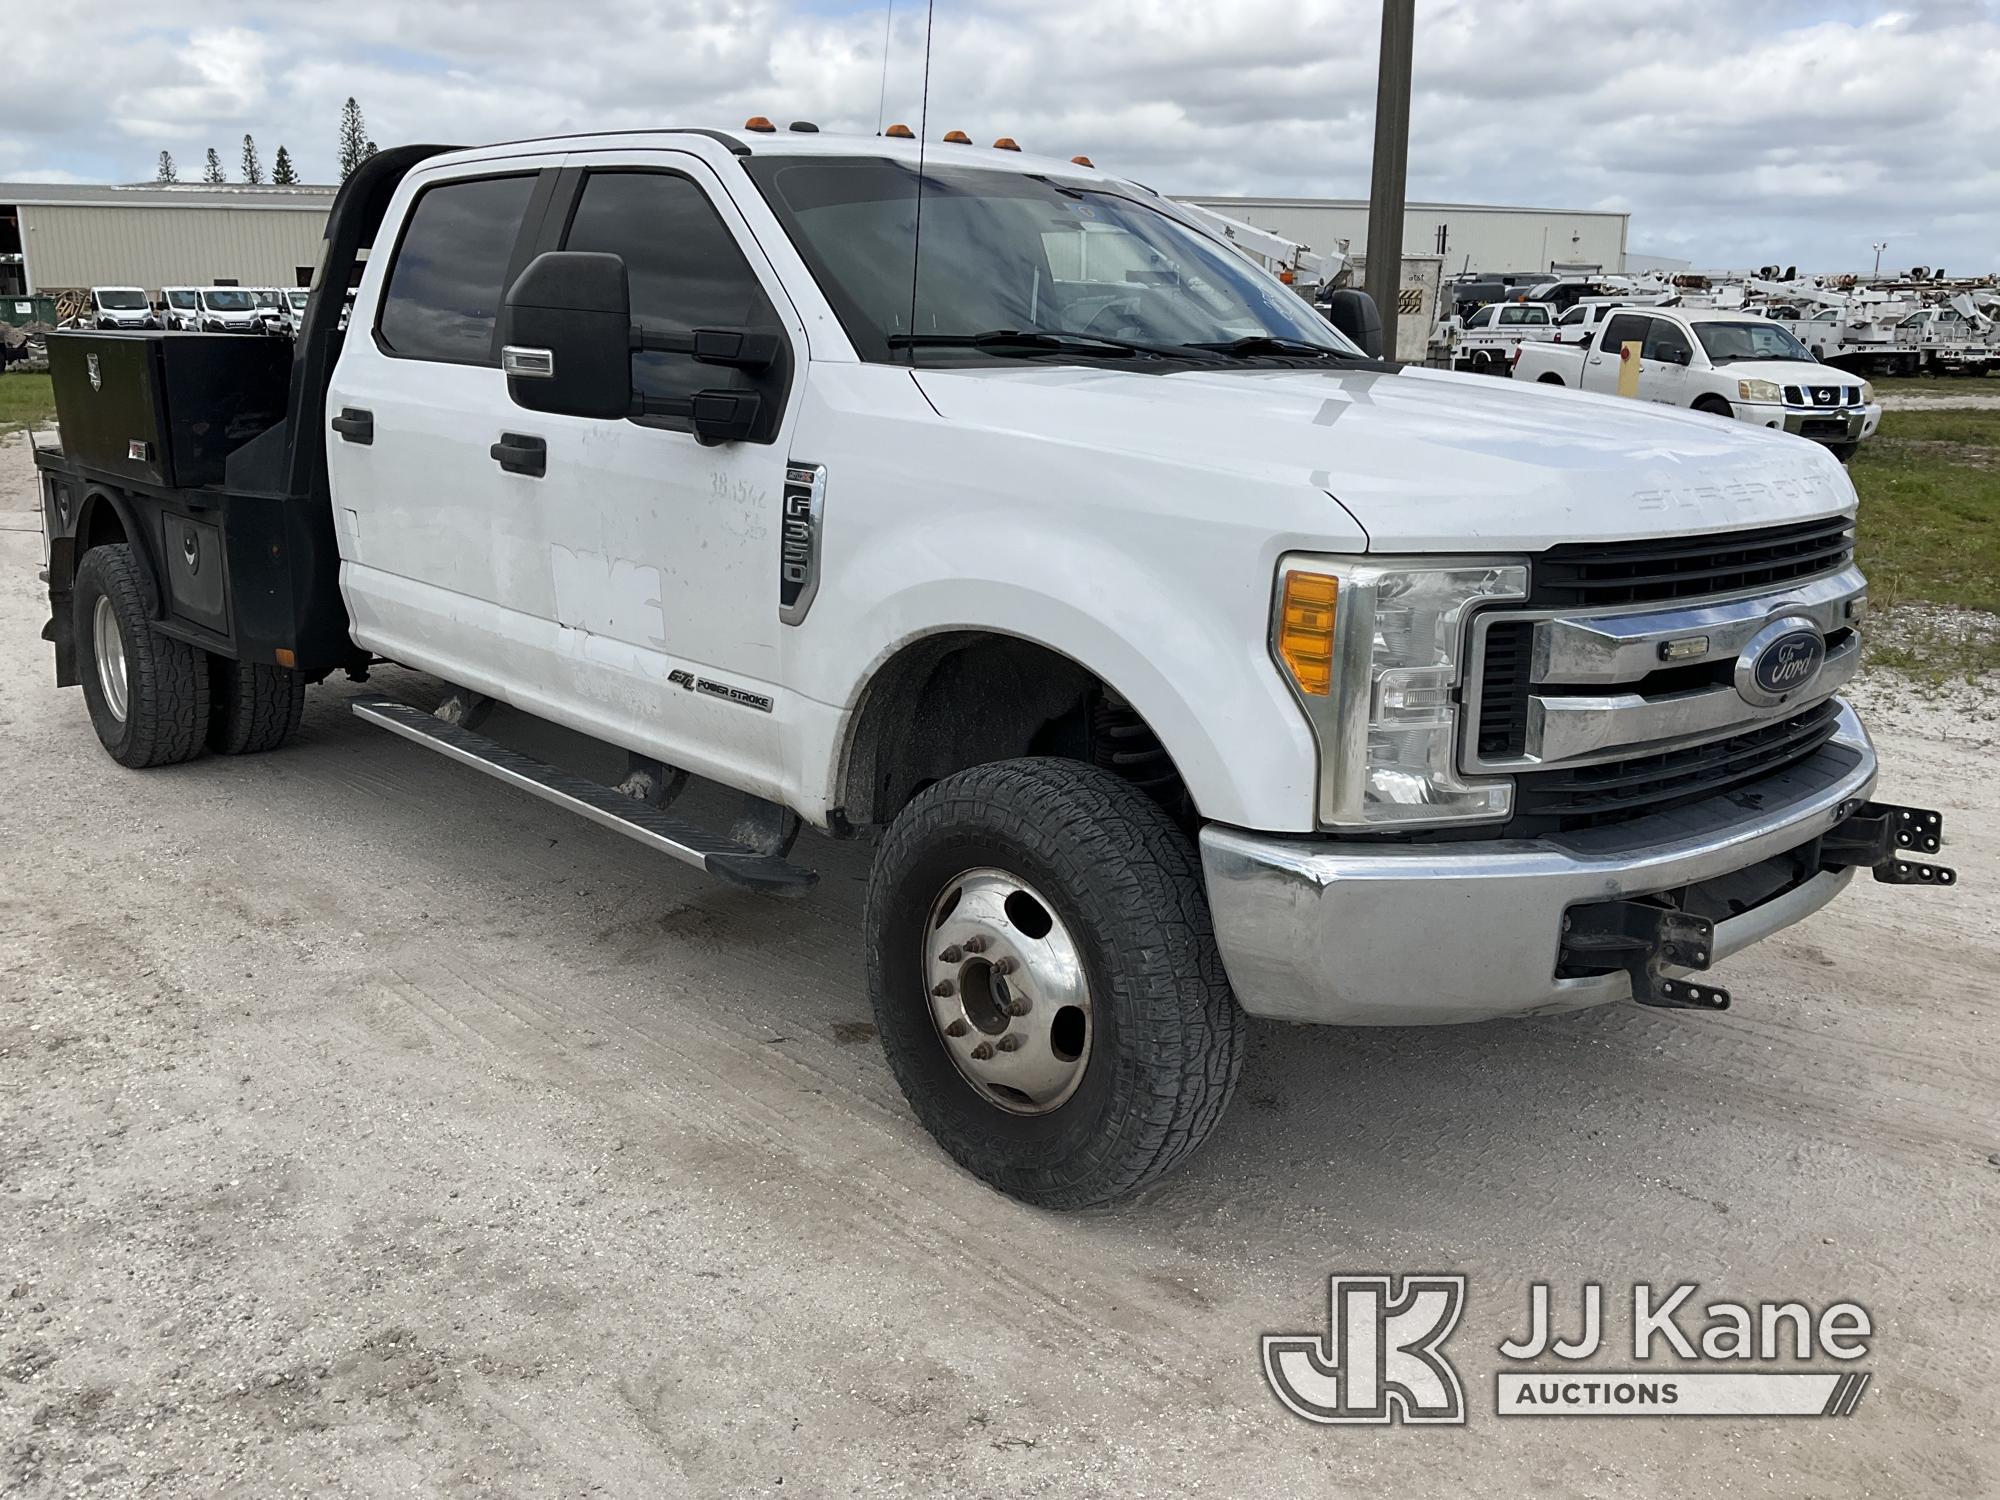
x=1194, y=664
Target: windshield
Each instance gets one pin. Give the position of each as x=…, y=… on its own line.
x=120, y=299
x=1727, y=343
x=226, y=299
x=298, y=300
x=266, y=299
x=1085, y=270
x=180, y=299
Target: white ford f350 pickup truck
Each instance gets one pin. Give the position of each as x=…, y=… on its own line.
x=1183, y=660
x=1728, y=364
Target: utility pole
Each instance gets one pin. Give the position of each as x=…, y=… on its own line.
x=1391, y=168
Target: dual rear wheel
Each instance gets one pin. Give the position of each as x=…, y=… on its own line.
x=154, y=700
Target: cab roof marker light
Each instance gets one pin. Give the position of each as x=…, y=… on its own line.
x=761, y=125
x=1082, y=161
x=958, y=138
x=1005, y=143
x=900, y=133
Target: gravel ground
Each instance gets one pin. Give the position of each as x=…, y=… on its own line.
x=367, y=1128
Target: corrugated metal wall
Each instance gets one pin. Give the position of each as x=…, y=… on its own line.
x=81, y=245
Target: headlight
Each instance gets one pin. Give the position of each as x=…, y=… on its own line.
x=1374, y=651
x=1867, y=393
x=1759, y=390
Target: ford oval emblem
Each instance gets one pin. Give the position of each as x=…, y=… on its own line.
x=1781, y=661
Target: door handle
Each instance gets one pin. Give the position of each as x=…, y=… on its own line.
x=355, y=425
x=520, y=454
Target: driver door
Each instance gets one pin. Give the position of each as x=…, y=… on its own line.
x=1664, y=361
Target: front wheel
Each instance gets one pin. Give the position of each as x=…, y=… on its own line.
x=1046, y=981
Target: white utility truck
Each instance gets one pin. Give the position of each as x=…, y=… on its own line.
x=1488, y=339
x=1729, y=364
x=1182, y=661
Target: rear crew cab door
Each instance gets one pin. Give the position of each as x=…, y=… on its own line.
x=435, y=569
x=1603, y=365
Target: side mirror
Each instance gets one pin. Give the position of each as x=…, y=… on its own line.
x=1677, y=354
x=566, y=335
x=1354, y=313
x=567, y=342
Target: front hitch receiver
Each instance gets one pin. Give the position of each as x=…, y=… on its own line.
x=1879, y=836
x=1645, y=941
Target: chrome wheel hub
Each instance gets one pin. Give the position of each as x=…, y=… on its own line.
x=1007, y=991
x=109, y=647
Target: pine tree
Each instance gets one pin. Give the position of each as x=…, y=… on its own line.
x=369, y=148
x=167, y=172
x=212, y=172
x=253, y=169
x=283, y=173
x=353, y=139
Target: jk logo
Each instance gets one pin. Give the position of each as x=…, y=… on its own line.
x=1380, y=1359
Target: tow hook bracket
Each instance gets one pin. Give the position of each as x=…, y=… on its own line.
x=1880, y=835
x=1645, y=941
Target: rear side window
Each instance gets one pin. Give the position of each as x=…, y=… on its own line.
x=445, y=287
x=1626, y=328
x=1519, y=315
x=685, y=269
x=1481, y=319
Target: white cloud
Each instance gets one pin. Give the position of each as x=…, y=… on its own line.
x=1735, y=133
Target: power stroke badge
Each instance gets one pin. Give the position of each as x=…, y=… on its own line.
x=1382, y=1359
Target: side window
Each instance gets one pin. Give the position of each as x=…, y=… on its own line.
x=445, y=287
x=685, y=267
x=1481, y=319
x=1623, y=329
x=1665, y=341
x=1574, y=316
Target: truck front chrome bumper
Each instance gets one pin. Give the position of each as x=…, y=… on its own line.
x=1356, y=934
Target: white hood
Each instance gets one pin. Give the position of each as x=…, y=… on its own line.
x=1424, y=461
x=1789, y=372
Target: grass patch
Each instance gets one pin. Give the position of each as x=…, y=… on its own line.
x=25, y=401
x=1943, y=386
x=1930, y=535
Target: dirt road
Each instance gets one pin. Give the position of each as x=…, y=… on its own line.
x=368, y=1128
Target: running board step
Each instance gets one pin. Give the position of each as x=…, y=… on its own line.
x=578, y=794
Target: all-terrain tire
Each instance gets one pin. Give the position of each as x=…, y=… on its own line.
x=254, y=706
x=165, y=681
x=1715, y=406
x=1167, y=1037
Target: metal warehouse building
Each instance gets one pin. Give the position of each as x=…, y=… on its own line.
x=56, y=238
x=1466, y=235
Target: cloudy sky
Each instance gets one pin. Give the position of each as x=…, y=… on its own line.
x=1736, y=132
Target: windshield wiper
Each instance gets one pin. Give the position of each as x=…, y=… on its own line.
x=1267, y=343
x=1034, y=341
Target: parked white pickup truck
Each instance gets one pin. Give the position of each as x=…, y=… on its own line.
x=1183, y=661
x=1730, y=364
x=1486, y=342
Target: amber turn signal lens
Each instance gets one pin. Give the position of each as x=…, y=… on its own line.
x=900, y=133
x=1305, y=630
x=760, y=124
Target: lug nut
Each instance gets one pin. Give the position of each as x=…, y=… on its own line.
x=957, y=1028
x=943, y=988
x=983, y=1051
x=1018, y=1004
x=951, y=955
x=1013, y=1041
x=975, y=945
x=1004, y=966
